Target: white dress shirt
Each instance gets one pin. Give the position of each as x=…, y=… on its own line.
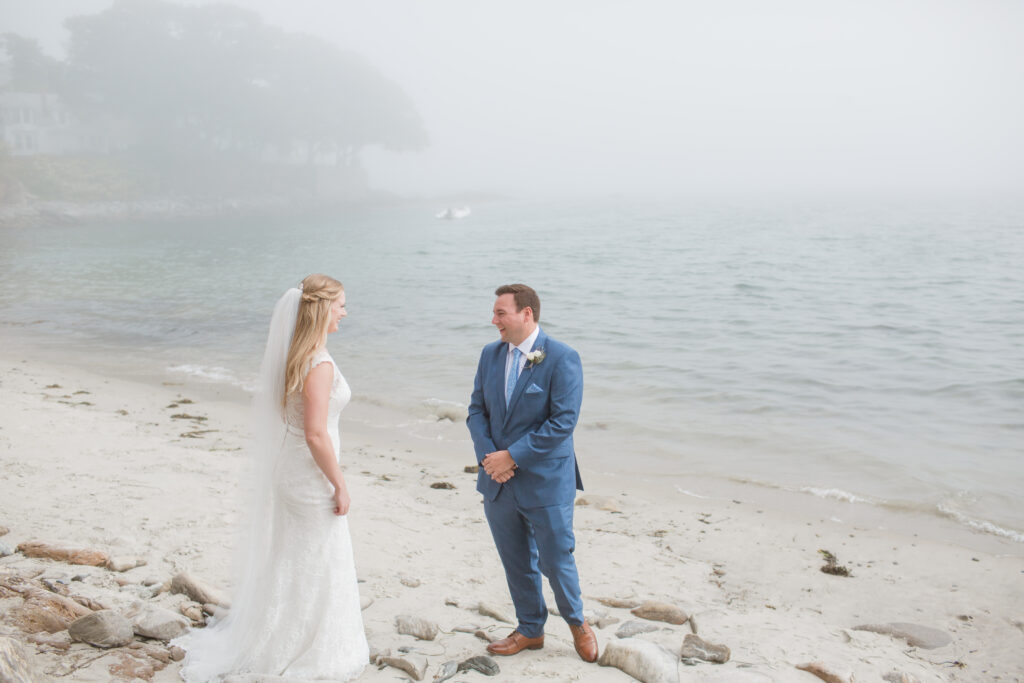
x=524, y=348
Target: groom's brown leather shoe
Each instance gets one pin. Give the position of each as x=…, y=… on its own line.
x=515, y=643
x=585, y=641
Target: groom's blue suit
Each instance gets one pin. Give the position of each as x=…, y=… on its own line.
x=530, y=515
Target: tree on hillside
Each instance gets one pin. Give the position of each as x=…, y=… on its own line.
x=31, y=70
x=214, y=81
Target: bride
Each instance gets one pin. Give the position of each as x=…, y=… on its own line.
x=296, y=612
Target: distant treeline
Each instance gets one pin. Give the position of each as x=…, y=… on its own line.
x=188, y=95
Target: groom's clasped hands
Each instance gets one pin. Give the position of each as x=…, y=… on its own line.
x=500, y=466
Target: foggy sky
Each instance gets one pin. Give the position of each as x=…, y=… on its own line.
x=678, y=98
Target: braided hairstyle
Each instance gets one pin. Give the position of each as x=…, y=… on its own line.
x=318, y=293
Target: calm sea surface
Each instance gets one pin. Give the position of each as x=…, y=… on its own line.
x=873, y=355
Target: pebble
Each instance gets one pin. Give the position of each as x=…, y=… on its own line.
x=466, y=628
x=916, y=635
x=484, y=636
x=643, y=660
x=194, y=611
x=123, y=563
x=413, y=664
x=633, y=628
x=409, y=582
x=6, y=550
x=481, y=663
x=660, y=611
x=620, y=603
x=900, y=677
x=824, y=673
x=415, y=626
x=695, y=647
x=442, y=485
x=4, y=531
x=468, y=469
x=102, y=629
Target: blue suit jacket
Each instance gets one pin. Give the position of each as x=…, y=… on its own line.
x=537, y=426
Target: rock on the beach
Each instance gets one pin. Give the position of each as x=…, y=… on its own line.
x=634, y=628
x=660, y=611
x=15, y=665
x=365, y=601
x=465, y=628
x=59, y=641
x=606, y=503
x=411, y=663
x=410, y=582
x=619, y=603
x=825, y=673
x=6, y=550
x=151, y=621
x=491, y=610
x=94, y=558
x=900, y=677
x=448, y=670
x=194, y=611
x=4, y=531
x=198, y=590
x=643, y=660
x=695, y=647
x=102, y=629
x=916, y=635
x=484, y=635
x=123, y=563
x=41, y=609
x=415, y=626
x=481, y=663
x=378, y=654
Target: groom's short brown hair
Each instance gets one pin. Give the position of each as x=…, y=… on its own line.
x=524, y=296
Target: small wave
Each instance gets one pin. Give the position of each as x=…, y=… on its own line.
x=211, y=374
x=836, y=494
x=980, y=525
x=446, y=410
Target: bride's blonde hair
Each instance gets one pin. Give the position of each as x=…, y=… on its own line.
x=318, y=293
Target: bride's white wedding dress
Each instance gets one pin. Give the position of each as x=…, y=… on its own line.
x=306, y=623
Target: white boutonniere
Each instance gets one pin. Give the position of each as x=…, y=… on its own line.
x=535, y=357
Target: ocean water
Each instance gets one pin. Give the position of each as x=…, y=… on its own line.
x=874, y=355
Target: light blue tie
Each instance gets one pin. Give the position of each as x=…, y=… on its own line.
x=513, y=375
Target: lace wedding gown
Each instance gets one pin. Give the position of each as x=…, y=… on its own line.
x=306, y=623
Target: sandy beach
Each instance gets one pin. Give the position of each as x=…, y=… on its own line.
x=150, y=470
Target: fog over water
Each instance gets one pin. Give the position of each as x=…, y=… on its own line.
x=736, y=98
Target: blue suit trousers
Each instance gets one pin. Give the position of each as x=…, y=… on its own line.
x=534, y=541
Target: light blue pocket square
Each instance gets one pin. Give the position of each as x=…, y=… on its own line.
x=534, y=389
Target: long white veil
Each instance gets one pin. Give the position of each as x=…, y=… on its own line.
x=213, y=651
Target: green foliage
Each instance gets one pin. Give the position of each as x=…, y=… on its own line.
x=31, y=69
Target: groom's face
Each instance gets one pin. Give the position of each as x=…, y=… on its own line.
x=513, y=326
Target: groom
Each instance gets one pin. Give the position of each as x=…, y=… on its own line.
x=526, y=400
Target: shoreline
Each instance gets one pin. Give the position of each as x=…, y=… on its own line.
x=112, y=468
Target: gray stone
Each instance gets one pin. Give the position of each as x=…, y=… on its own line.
x=916, y=635
x=695, y=647
x=633, y=628
x=643, y=660
x=661, y=611
x=415, y=626
x=151, y=621
x=448, y=670
x=481, y=663
x=6, y=550
x=413, y=664
x=494, y=612
x=15, y=665
x=102, y=629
